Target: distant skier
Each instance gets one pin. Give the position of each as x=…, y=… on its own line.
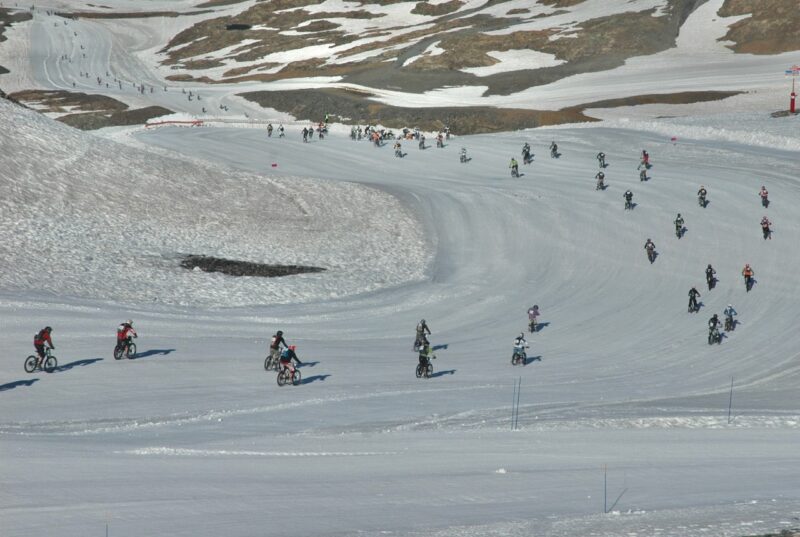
x=462, y=156
x=600, y=181
x=269, y=130
x=398, y=152
x=554, y=149
x=533, y=313
x=764, y=196
x=601, y=159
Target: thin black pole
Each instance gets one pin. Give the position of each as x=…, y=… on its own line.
x=730, y=402
x=605, y=488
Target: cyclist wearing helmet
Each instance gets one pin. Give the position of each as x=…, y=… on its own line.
x=125, y=331
x=422, y=332
x=42, y=337
x=276, y=344
x=287, y=356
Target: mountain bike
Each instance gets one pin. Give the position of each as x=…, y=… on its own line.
x=519, y=357
x=286, y=376
x=424, y=370
x=48, y=364
x=125, y=349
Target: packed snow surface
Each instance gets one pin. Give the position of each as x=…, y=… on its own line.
x=194, y=438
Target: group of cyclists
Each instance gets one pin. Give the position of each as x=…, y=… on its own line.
x=43, y=341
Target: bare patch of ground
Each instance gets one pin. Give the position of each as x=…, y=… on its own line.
x=772, y=28
x=125, y=15
x=97, y=120
x=243, y=268
x=355, y=107
x=437, y=10
x=59, y=101
x=594, y=45
x=219, y=3
x=518, y=11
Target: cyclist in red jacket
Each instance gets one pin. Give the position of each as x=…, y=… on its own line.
x=39, y=340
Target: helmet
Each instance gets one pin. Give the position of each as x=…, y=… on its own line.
x=649, y=240
x=292, y=347
x=522, y=335
x=536, y=306
x=746, y=265
x=679, y=215
x=730, y=306
x=48, y=329
x=422, y=321
x=709, y=265
x=280, y=332
x=129, y=322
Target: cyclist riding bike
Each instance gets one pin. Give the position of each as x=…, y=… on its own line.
x=287, y=356
x=42, y=337
x=125, y=332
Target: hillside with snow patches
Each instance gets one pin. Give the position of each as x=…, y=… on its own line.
x=192, y=437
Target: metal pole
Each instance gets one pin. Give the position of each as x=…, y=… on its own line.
x=730, y=402
x=513, y=404
x=519, y=389
x=605, y=488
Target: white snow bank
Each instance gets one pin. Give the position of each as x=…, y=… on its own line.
x=515, y=60
x=86, y=217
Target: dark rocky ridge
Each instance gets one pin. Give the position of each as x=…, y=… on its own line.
x=243, y=268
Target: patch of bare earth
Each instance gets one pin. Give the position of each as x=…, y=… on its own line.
x=437, y=10
x=355, y=107
x=98, y=120
x=60, y=101
x=773, y=26
x=561, y=3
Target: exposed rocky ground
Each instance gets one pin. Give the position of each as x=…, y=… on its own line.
x=773, y=27
x=243, y=268
x=7, y=18
x=355, y=107
x=86, y=111
x=381, y=55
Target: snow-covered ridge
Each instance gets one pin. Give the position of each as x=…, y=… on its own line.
x=87, y=217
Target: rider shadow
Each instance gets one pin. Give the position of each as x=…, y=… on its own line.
x=531, y=359
x=151, y=352
x=765, y=203
x=698, y=306
x=437, y=347
x=307, y=364
x=468, y=159
x=309, y=380
x=682, y=232
x=712, y=284
x=539, y=326
x=655, y=256
x=16, y=384
x=442, y=373
x=77, y=363
x=749, y=285
x=706, y=204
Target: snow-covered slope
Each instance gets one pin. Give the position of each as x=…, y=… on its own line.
x=108, y=222
x=194, y=438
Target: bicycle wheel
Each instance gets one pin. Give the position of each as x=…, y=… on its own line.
x=429, y=371
x=118, y=350
x=419, y=371
x=30, y=364
x=50, y=364
x=131, y=349
x=281, y=378
x=268, y=363
x=296, y=377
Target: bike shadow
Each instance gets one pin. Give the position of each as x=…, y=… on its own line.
x=307, y=364
x=712, y=284
x=309, y=380
x=17, y=384
x=442, y=373
x=531, y=359
x=438, y=347
x=77, y=363
x=539, y=326
x=698, y=306
x=151, y=352
x=706, y=204
x=468, y=159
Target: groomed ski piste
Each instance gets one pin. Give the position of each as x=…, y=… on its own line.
x=623, y=406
